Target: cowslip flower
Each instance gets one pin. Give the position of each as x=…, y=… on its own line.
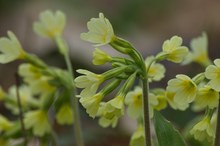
x=10, y=49
x=156, y=71
x=199, y=51
x=26, y=98
x=51, y=24
x=100, y=57
x=91, y=104
x=207, y=97
x=134, y=101
x=37, y=121
x=89, y=81
x=203, y=130
x=65, y=115
x=212, y=72
x=174, y=50
x=175, y=104
x=184, y=88
x=137, y=138
x=160, y=95
x=100, y=31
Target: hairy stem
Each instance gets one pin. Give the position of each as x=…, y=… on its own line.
x=20, y=109
x=146, y=112
x=217, y=135
x=64, y=50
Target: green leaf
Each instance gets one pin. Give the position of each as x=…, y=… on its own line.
x=167, y=135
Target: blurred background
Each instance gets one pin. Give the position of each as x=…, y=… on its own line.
x=145, y=23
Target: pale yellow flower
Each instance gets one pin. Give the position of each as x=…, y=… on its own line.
x=100, y=31
x=212, y=72
x=174, y=50
x=89, y=81
x=203, y=130
x=184, y=89
x=51, y=24
x=175, y=104
x=156, y=71
x=137, y=138
x=5, y=124
x=207, y=97
x=100, y=57
x=65, y=115
x=37, y=121
x=10, y=49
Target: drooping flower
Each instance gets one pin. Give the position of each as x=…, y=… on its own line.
x=91, y=104
x=50, y=25
x=26, y=98
x=65, y=115
x=37, y=121
x=100, y=57
x=199, y=51
x=5, y=124
x=207, y=97
x=212, y=72
x=89, y=81
x=184, y=89
x=10, y=49
x=175, y=104
x=174, y=50
x=100, y=31
x=156, y=71
x=161, y=98
x=203, y=130
x=137, y=138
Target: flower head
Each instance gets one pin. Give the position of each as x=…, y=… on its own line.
x=100, y=31
x=10, y=49
x=91, y=104
x=100, y=57
x=156, y=70
x=212, y=72
x=175, y=52
x=203, y=130
x=65, y=115
x=207, y=96
x=89, y=81
x=175, y=104
x=137, y=138
x=184, y=89
x=37, y=121
x=50, y=24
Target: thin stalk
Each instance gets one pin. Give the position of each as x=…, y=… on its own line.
x=217, y=135
x=20, y=109
x=146, y=112
x=64, y=50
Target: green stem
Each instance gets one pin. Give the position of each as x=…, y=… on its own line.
x=217, y=135
x=73, y=99
x=146, y=112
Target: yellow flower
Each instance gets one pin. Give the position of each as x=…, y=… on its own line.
x=10, y=49
x=100, y=31
x=91, y=104
x=212, y=72
x=26, y=98
x=156, y=71
x=33, y=76
x=199, y=52
x=161, y=98
x=175, y=104
x=37, y=121
x=5, y=124
x=51, y=24
x=134, y=101
x=100, y=57
x=184, y=89
x=137, y=138
x=207, y=96
x=203, y=130
x=65, y=115
x=89, y=81
x=175, y=52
